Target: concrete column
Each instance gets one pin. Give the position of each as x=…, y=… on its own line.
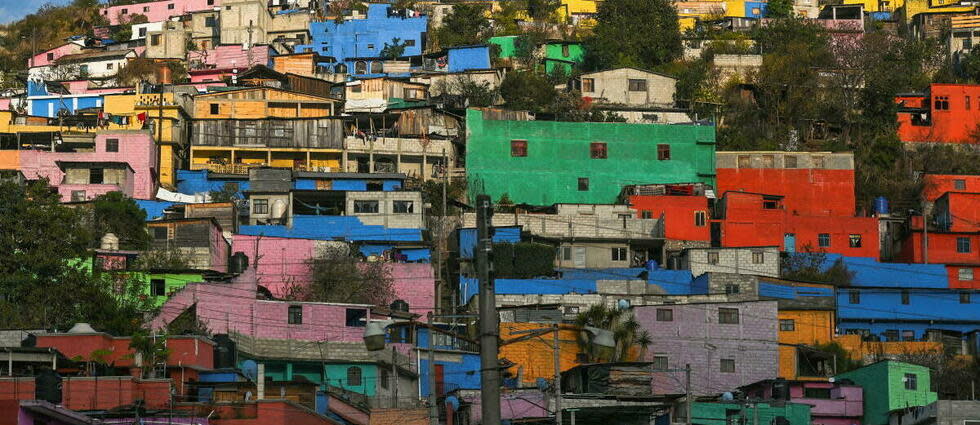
x=260, y=382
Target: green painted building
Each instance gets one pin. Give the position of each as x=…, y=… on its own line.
x=159, y=285
x=507, y=44
x=549, y=162
x=890, y=385
x=733, y=412
x=563, y=55
x=363, y=380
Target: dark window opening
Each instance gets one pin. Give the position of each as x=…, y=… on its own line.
x=158, y=287
x=295, y=315
x=518, y=148
x=583, y=184
x=598, y=150
x=356, y=317
x=663, y=152
x=112, y=145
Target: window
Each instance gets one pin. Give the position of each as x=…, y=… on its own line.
x=941, y=103
x=787, y=325
x=356, y=318
x=588, y=85
x=822, y=393
x=959, y=184
x=855, y=240
x=963, y=245
x=377, y=68
x=125, y=11
x=967, y=45
x=340, y=68
x=158, y=287
x=356, y=89
x=583, y=184
x=146, y=8
x=823, y=240
x=112, y=145
x=891, y=335
x=409, y=43
x=564, y=50
x=908, y=335
x=964, y=297
x=77, y=195
x=50, y=56
x=768, y=161
x=96, y=176
x=215, y=109
x=911, y=381
x=758, y=257
x=713, y=257
x=260, y=206
x=646, y=214
x=295, y=315
x=83, y=69
x=665, y=315
x=660, y=363
x=728, y=316
x=370, y=46
x=160, y=233
x=905, y=297
x=597, y=150
x=403, y=207
x=210, y=2
x=756, y=11
x=210, y=22
x=965, y=273
x=789, y=162
x=365, y=207
x=619, y=254
x=663, y=152
x=732, y=289
x=854, y=297
x=109, y=66
x=637, y=85
x=155, y=40
x=354, y=376
x=700, y=218
x=728, y=365
x=170, y=6
x=360, y=67
x=566, y=253
x=385, y=376
x=518, y=148
x=968, y=103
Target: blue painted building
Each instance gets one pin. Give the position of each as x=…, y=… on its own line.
x=50, y=105
x=457, y=362
x=203, y=181
x=333, y=227
x=467, y=58
x=903, y=302
x=354, y=46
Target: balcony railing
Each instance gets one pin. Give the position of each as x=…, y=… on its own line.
x=243, y=168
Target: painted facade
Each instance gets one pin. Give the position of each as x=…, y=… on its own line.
x=156, y=11
x=356, y=44
x=890, y=385
x=722, y=413
x=628, y=87
x=558, y=158
x=831, y=403
x=727, y=344
x=945, y=113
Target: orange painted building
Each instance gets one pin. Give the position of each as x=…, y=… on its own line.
x=874, y=350
x=935, y=185
x=799, y=329
x=534, y=357
x=946, y=113
x=685, y=217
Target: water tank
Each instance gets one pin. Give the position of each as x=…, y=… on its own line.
x=881, y=206
x=239, y=263
x=109, y=242
x=399, y=305
x=224, y=352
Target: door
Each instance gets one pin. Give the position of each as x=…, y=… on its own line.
x=789, y=242
x=440, y=386
x=578, y=259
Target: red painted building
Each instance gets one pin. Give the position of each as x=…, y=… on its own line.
x=935, y=185
x=95, y=393
x=753, y=219
x=685, y=217
x=953, y=238
x=811, y=183
x=946, y=113
x=185, y=351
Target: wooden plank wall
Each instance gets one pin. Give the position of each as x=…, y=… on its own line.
x=322, y=133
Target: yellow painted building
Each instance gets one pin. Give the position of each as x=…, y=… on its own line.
x=171, y=137
x=799, y=329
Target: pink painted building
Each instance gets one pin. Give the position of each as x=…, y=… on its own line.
x=235, y=307
x=156, y=11
x=281, y=262
x=832, y=403
x=230, y=56
x=121, y=160
x=48, y=57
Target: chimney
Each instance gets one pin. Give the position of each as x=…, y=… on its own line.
x=110, y=242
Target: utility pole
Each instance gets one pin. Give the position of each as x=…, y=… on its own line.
x=433, y=409
x=489, y=373
x=687, y=390
x=558, y=415
x=925, y=234
x=394, y=378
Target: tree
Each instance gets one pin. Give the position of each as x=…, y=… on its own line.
x=638, y=33
x=394, y=50
x=228, y=193
x=45, y=279
x=526, y=90
x=151, y=352
x=337, y=275
x=631, y=339
x=116, y=213
x=466, y=24
x=807, y=266
x=779, y=9
x=970, y=64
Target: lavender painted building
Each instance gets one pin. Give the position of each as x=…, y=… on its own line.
x=832, y=403
x=728, y=345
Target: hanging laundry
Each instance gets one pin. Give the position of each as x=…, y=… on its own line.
x=141, y=117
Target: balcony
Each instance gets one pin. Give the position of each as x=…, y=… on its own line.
x=243, y=168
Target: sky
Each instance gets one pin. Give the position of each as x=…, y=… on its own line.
x=12, y=10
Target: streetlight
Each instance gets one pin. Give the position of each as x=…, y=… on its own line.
x=374, y=334
x=601, y=340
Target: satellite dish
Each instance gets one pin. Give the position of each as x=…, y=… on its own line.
x=727, y=396
x=250, y=369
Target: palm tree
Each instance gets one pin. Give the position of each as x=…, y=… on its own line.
x=627, y=332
